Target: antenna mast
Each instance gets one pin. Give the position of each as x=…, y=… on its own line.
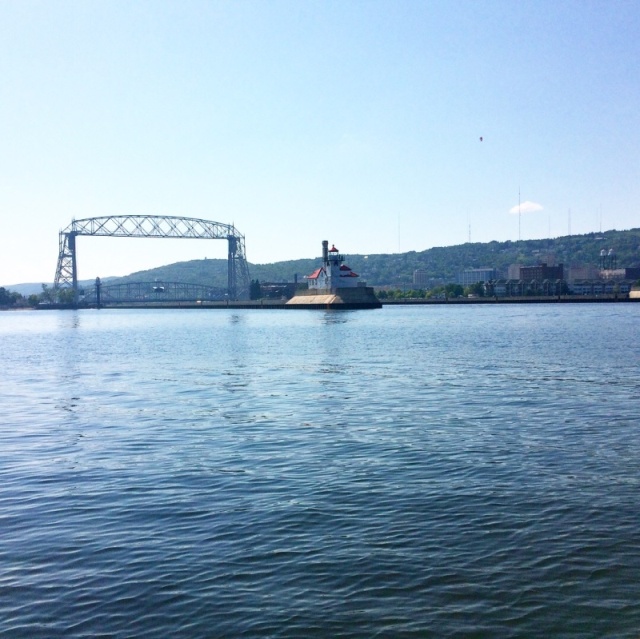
x=519, y=215
x=601, y=218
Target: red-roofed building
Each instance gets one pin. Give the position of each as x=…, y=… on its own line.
x=333, y=273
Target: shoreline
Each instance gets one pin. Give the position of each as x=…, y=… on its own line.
x=281, y=304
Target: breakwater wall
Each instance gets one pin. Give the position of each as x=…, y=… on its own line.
x=280, y=304
x=557, y=299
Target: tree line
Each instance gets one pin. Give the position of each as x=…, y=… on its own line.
x=13, y=299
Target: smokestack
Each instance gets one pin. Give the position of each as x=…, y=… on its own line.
x=325, y=252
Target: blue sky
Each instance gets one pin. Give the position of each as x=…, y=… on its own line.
x=353, y=121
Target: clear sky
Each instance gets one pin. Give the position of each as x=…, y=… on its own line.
x=358, y=122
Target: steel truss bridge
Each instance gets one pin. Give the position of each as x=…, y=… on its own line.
x=152, y=226
x=152, y=292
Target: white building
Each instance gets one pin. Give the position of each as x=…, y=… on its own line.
x=474, y=275
x=333, y=273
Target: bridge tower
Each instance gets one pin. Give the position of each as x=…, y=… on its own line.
x=67, y=270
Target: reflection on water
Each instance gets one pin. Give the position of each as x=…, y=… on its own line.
x=336, y=316
x=67, y=319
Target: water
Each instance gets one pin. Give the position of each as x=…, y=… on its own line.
x=406, y=472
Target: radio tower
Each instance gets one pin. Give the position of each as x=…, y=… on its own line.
x=519, y=215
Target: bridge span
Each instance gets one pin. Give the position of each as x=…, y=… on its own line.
x=152, y=226
x=156, y=292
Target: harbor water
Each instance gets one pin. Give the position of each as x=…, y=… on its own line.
x=425, y=471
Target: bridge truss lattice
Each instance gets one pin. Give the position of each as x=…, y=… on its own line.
x=157, y=227
x=155, y=292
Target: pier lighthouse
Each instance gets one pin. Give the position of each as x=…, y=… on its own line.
x=334, y=273
x=334, y=285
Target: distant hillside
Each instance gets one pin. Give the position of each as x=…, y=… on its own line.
x=213, y=272
x=35, y=288
x=441, y=262
x=25, y=289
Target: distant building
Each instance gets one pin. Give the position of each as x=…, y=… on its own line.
x=513, y=272
x=589, y=273
x=421, y=278
x=613, y=274
x=499, y=288
x=632, y=273
x=582, y=272
x=541, y=272
x=474, y=275
x=600, y=287
x=520, y=288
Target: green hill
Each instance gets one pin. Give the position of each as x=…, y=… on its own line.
x=442, y=263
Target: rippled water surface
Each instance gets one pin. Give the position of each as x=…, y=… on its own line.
x=405, y=472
